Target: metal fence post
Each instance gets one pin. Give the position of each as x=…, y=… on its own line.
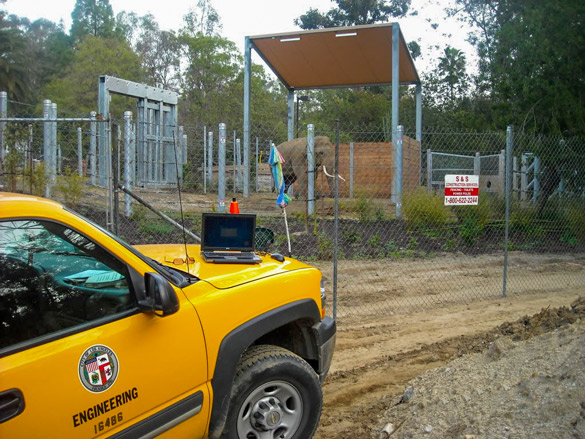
x=59, y=161
x=523, y=176
x=141, y=144
x=256, y=167
x=79, y=152
x=47, y=145
x=184, y=144
x=128, y=162
x=114, y=181
x=336, y=220
x=502, y=168
x=234, y=164
x=239, y=164
x=205, y=164
x=351, y=169
x=515, y=173
x=29, y=157
x=310, y=169
x=291, y=109
x=536, y=179
x=246, y=191
x=221, y=168
x=429, y=170
x=397, y=180
x=54, y=158
x=157, y=154
x=508, y=187
x=477, y=164
x=210, y=157
x=3, y=113
x=92, y=146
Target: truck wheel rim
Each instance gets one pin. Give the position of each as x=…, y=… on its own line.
x=273, y=410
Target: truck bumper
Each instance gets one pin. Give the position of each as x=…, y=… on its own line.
x=325, y=332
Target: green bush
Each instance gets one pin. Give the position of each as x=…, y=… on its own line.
x=575, y=217
x=192, y=178
x=324, y=248
x=12, y=161
x=155, y=228
x=412, y=243
x=470, y=230
x=365, y=208
x=38, y=180
x=424, y=210
x=352, y=237
x=70, y=185
x=450, y=245
x=523, y=217
x=472, y=220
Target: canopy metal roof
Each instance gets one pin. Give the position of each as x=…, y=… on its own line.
x=335, y=57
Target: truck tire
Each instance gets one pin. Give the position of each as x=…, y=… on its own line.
x=276, y=394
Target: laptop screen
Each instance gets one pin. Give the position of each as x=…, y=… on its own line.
x=229, y=232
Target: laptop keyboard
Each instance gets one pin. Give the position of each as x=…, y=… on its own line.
x=228, y=255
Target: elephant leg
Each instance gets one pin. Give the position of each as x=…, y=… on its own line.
x=301, y=183
x=289, y=179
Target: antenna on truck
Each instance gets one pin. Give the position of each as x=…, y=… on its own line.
x=180, y=200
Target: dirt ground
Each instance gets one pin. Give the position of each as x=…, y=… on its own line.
x=375, y=361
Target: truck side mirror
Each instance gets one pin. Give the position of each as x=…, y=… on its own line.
x=161, y=298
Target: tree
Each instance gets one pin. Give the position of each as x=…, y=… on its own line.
x=77, y=90
x=49, y=46
x=13, y=63
x=414, y=49
x=353, y=12
x=127, y=26
x=452, y=70
x=534, y=57
x=211, y=65
x=92, y=17
x=203, y=20
x=160, y=54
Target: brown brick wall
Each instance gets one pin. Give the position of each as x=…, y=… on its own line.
x=373, y=169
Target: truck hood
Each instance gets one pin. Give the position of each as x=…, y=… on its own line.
x=219, y=275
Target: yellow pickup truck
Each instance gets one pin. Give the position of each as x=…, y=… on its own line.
x=102, y=339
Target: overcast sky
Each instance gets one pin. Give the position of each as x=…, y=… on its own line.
x=242, y=18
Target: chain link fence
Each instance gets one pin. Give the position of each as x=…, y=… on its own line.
x=386, y=251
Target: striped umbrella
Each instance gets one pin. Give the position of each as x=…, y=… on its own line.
x=276, y=160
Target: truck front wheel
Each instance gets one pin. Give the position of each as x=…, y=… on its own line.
x=276, y=395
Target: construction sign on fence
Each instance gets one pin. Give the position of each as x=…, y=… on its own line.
x=461, y=190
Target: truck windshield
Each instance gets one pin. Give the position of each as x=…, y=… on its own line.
x=178, y=277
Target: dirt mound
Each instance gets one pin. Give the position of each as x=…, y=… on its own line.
x=528, y=381
x=545, y=321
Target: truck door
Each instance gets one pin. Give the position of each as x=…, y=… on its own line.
x=77, y=358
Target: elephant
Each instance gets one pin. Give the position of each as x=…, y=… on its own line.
x=295, y=169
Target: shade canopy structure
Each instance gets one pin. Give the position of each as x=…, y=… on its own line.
x=337, y=57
